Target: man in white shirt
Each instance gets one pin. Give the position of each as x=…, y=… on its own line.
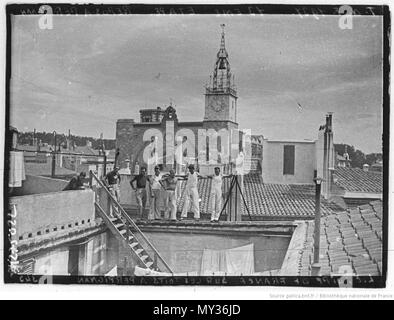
x=192, y=197
x=216, y=194
x=155, y=191
x=170, y=181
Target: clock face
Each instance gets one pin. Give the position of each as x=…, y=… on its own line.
x=217, y=104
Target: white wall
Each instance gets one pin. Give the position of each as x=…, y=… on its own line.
x=39, y=212
x=305, y=162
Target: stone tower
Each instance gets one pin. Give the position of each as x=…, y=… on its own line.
x=220, y=94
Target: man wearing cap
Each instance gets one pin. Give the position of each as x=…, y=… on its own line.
x=155, y=191
x=76, y=183
x=192, y=196
x=113, y=181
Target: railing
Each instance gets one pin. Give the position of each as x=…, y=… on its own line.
x=224, y=89
x=131, y=226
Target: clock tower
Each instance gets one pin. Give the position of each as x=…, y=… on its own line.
x=220, y=94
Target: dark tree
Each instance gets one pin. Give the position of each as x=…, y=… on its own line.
x=357, y=157
x=48, y=137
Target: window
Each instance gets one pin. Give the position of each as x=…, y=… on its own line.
x=288, y=159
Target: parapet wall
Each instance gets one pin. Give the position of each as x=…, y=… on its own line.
x=38, y=185
x=40, y=214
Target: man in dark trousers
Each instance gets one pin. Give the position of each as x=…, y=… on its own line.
x=76, y=182
x=113, y=181
x=140, y=190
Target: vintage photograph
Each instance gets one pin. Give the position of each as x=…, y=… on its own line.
x=183, y=145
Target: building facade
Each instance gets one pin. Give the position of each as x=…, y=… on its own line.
x=160, y=138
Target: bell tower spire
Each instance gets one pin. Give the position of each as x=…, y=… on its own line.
x=222, y=79
x=222, y=43
x=221, y=93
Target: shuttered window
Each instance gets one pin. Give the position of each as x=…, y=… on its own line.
x=288, y=159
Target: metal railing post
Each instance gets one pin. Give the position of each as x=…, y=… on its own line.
x=53, y=164
x=90, y=179
x=105, y=164
x=155, y=260
x=127, y=230
x=316, y=243
x=109, y=204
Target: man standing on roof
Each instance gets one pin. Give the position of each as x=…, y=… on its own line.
x=112, y=180
x=216, y=194
x=170, y=183
x=191, y=192
x=155, y=191
x=140, y=190
x=76, y=183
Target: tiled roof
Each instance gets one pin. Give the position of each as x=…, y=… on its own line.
x=29, y=148
x=270, y=200
x=26, y=147
x=351, y=238
x=282, y=200
x=358, y=180
x=85, y=150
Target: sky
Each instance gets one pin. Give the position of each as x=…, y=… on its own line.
x=89, y=71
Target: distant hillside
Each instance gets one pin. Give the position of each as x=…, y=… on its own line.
x=48, y=137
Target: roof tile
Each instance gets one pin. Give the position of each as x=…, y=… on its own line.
x=358, y=244
x=358, y=180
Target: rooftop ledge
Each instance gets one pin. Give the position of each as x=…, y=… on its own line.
x=273, y=228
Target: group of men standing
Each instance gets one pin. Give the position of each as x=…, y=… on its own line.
x=161, y=185
x=169, y=183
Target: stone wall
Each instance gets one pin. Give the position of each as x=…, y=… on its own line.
x=129, y=137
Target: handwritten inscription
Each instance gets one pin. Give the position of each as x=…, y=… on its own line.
x=13, y=251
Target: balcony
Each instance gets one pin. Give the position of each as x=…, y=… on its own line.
x=223, y=90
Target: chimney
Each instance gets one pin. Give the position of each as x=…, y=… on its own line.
x=34, y=138
x=328, y=156
x=89, y=143
x=346, y=156
x=366, y=167
x=68, y=140
x=329, y=122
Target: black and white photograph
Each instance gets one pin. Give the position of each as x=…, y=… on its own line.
x=240, y=145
